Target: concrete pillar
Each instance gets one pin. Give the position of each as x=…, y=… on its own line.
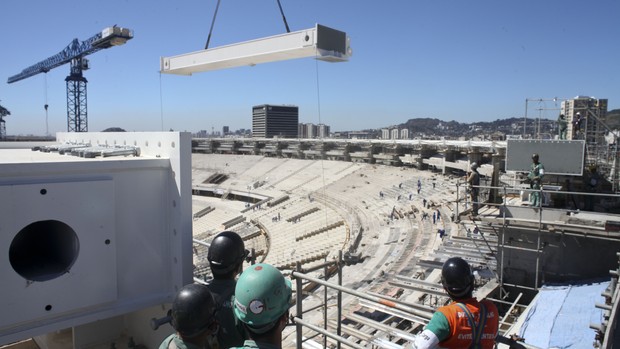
x=474, y=155
x=498, y=160
x=450, y=155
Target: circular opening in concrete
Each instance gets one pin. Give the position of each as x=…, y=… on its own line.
x=44, y=250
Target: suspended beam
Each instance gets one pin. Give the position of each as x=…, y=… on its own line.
x=320, y=42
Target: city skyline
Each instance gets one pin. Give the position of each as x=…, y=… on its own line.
x=468, y=62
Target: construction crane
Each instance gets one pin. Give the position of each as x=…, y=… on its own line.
x=3, y=112
x=75, y=53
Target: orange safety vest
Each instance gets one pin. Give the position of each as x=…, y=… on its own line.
x=460, y=317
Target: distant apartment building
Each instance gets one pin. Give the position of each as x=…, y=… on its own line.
x=307, y=130
x=394, y=133
x=385, y=133
x=323, y=131
x=593, y=113
x=404, y=133
x=310, y=130
x=359, y=135
x=269, y=121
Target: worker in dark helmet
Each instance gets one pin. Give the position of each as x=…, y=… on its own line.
x=194, y=319
x=226, y=255
x=262, y=301
x=465, y=322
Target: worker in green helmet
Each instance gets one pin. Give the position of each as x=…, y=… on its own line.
x=535, y=177
x=262, y=301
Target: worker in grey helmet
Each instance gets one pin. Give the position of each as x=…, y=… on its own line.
x=473, y=181
x=262, y=301
x=562, y=127
x=226, y=255
x=194, y=319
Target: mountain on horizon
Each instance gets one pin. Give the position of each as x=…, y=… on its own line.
x=433, y=126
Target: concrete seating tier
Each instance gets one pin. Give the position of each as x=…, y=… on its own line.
x=320, y=230
x=233, y=221
x=265, y=169
x=302, y=214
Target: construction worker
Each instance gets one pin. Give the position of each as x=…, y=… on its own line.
x=464, y=323
x=473, y=181
x=262, y=301
x=226, y=255
x=562, y=127
x=577, y=122
x=194, y=319
x=535, y=177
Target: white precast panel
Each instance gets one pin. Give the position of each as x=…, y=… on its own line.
x=88, y=281
x=320, y=42
x=124, y=225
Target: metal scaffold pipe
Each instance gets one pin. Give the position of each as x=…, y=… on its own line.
x=326, y=333
x=382, y=301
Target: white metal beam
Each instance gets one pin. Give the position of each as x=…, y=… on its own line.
x=321, y=42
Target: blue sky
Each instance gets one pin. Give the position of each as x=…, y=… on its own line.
x=452, y=60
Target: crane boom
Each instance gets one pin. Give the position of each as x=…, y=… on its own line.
x=74, y=54
x=108, y=37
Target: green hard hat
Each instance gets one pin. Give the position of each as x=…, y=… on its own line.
x=262, y=295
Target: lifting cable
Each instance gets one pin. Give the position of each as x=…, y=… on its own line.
x=46, y=106
x=212, y=23
x=215, y=15
x=283, y=17
x=318, y=102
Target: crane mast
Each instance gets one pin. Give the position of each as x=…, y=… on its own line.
x=75, y=53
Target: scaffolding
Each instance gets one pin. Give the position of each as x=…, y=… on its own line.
x=586, y=120
x=587, y=117
x=384, y=320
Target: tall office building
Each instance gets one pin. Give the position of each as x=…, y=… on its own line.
x=269, y=121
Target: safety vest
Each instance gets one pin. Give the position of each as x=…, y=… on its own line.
x=473, y=324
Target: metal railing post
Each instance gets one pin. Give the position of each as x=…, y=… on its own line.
x=325, y=307
x=457, y=201
x=299, y=307
x=339, y=323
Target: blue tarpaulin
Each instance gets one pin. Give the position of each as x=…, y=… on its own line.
x=560, y=316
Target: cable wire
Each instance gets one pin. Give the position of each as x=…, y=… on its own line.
x=212, y=23
x=283, y=17
x=161, y=103
x=47, y=132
